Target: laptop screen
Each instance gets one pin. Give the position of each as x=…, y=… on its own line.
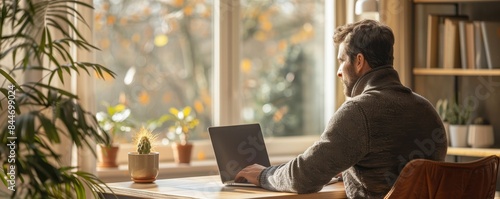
x=236, y=147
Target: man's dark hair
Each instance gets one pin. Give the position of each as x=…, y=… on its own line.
x=368, y=37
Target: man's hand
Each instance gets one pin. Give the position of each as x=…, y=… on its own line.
x=250, y=174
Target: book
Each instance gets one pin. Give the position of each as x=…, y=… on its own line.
x=491, y=38
x=451, y=43
x=432, y=41
x=480, y=54
x=437, y=37
x=467, y=46
x=471, y=46
x=440, y=47
x=463, y=44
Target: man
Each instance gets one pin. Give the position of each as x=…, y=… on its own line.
x=382, y=126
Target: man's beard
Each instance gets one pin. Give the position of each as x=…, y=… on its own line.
x=348, y=88
x=349, y=85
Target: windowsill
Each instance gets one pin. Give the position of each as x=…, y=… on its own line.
x=167, y=170
x=280, y=150
x=174, y=170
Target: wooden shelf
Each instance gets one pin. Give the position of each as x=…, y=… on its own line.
x=455, y=1
x=456, y=72
x=473, y=152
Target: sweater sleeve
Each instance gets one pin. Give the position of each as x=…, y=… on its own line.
x=343, y=143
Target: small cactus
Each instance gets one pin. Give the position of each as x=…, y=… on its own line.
x=144, y=146
x=145, y=141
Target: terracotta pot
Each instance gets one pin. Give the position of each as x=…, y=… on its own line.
x=143, y=168
x=108, y=156
x=182, y=153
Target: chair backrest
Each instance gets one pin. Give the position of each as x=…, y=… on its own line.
x=422, y=178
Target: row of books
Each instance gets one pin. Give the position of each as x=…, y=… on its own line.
x=456, y=42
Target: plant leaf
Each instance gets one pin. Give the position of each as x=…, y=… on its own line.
x=49, y=129
x=186, y=111
x=174, y=111
x=11, y=80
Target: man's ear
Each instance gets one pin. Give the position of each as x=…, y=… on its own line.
x=359, y=63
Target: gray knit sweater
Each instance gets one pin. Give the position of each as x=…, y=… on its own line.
x=369, y=139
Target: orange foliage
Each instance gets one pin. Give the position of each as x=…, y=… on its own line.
x=111, y=20
x=144, y=98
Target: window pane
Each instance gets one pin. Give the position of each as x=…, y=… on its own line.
x=282, y=44
x=162, y=54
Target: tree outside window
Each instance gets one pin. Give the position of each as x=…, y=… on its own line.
x=162, y=52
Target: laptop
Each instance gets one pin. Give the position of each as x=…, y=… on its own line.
x=236, y=147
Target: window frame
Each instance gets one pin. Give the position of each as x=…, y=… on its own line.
x=226, y=38
x=226, y=95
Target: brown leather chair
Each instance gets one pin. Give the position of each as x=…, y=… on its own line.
x=422, y=178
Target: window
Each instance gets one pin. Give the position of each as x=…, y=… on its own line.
x=163, y=54
x=282, y=65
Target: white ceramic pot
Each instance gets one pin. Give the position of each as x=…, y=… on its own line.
x=143, y=168
x=480, y=136
x=458, y=135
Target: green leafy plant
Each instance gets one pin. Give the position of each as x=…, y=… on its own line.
x=443, y=107
x=36, y=41
x=458, y=115
x=480, y=121
x=183, y=122
x=115, y=121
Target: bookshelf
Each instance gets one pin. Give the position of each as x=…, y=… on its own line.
x=450, y=1
x=477, y=11
x=472, y=152
x=479, y=85
x=456, y=72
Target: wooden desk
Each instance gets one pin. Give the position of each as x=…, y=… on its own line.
x=210, y=187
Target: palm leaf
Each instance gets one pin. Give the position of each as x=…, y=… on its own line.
x=49, y=128
x=11, y=80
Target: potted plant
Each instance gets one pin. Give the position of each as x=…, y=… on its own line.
x=442, y=108
x=38, y=39
x=480, y=133
x=143, y=165
x=114, y=122
x=183, y=123
x=458, y=116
